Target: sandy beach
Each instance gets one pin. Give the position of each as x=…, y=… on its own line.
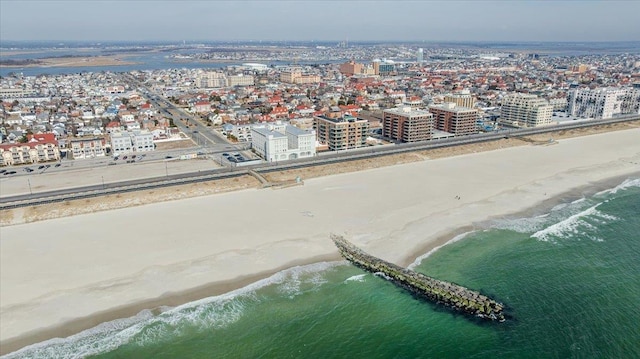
x=63, y=275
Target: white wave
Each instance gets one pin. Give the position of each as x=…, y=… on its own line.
x=573, y=225
x=522, y=225
x=356, y=278
x=580, y=200
x=419, y=260
x=295, y=281
x=624, y=185
x=145, y=327
x=81, y=344
x=382, y=275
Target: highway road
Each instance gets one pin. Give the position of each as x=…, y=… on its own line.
x=367, y=152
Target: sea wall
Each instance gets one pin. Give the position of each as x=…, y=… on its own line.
x=448, y=294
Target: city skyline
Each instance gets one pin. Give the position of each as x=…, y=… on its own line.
x=318, y=20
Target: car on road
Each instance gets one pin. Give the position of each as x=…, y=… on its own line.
x=195, y=131
x=3, y=171
x=41, y=167
x=168, y=157
x=57, y=165
x=133, y=156
x=124, y=158
x=10, y=173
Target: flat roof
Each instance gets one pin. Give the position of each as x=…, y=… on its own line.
x=267, y=132
x=410, y=113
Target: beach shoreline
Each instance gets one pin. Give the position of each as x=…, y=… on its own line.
x=400, y=232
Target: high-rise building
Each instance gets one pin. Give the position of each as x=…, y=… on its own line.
x=420, y=55
x=525, y=110
x=341, y=133
x=462, y=99
x=407, y=124
x=449, y=117
x=601, y=103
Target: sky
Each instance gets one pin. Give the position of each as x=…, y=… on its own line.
x=311, y=20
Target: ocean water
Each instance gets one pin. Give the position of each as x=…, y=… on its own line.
x=570, y=278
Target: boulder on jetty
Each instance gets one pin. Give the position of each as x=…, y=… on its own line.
x=448, y=294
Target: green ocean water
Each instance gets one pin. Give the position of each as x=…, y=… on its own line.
x=570, y=277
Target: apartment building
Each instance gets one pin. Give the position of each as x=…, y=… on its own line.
x=240, y=80
x=525, y=110
x=281, y=143
x=132, y=141
x=461, y=99
x=87, y=148
x=601, y=103
x=294, y=75
x=210, y=79
x=38, y=148
x=458, y=120
x=407, y=124
x=341, y=133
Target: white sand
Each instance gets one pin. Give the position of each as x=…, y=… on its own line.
x=58, y=270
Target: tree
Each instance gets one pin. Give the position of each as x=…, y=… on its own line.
x=22, y=139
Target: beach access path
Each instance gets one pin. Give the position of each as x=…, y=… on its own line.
x=63, y=275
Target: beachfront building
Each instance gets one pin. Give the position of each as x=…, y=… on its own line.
x=87, y=148
x=282, y=142
x=407, y=124
x=525, y=110
x=38, y=148
x=132, y=141
x=458, y=120
x=341, y=133
x=600, y=103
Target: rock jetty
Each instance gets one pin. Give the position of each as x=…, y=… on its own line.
x=448, y=294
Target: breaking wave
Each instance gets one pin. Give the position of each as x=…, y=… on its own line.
x=147, y=328
x=577, y=224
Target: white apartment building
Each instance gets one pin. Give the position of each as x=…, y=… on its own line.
x=240, y=80
x=283, y=142
x=603, y=103
x=142, y=141
x=134, y=141
x=525, y=110
x=462, y=99
x=87, y=148
x=210, y=79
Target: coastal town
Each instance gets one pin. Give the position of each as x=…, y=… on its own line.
x=252, y=112
x=319, y=179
